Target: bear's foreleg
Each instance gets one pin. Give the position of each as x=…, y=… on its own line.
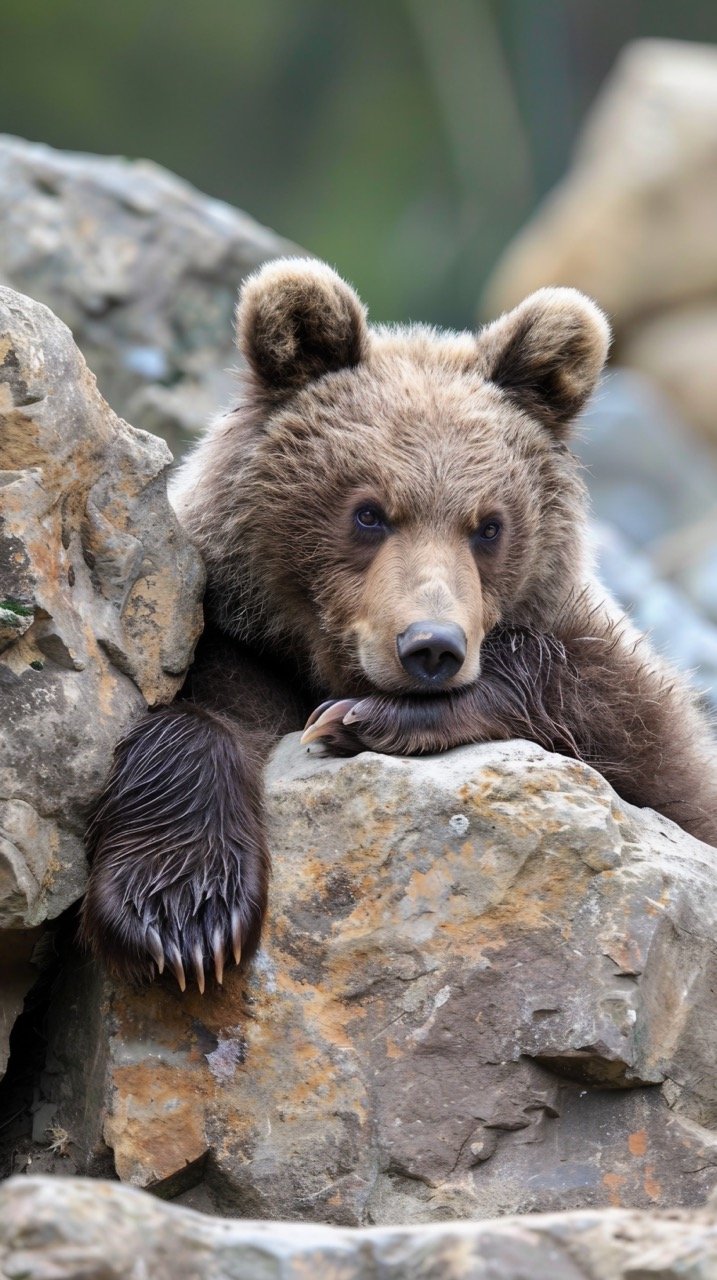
x=179, y=863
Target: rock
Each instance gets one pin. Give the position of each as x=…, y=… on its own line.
x=676, y=349
x=691, y=643
x=143, y=268
x=652, y=487
x=63, y=1229
x=647, y=475
x=690, y=559
x=487, y=987
x=99, y=603
x=633, y=223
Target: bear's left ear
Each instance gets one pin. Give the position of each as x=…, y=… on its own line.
x=297, y=319
x=547, y=354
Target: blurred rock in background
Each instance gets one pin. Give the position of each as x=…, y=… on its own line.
x=634, y=224
x=142, y=267
x=654, y=489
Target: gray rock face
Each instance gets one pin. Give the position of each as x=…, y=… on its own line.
x=63, y=1229
x=99, y=602
x=141, y=266
x=486, y=988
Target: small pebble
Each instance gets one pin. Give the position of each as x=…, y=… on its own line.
x=459, y=824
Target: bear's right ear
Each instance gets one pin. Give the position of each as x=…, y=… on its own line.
x=297, y=319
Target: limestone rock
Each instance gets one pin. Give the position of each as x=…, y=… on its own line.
x=486, y=987
x=61, y=1229
x=99, y=602
x=143, y=268
x=633, y=223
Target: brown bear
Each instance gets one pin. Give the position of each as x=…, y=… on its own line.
x=394, y=530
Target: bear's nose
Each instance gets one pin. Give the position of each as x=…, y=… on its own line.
x=432, y=651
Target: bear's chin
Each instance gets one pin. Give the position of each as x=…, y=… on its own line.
x=410, y=722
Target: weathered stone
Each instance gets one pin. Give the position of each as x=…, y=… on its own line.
x=63, y=1229
x=105, y=590
x=143, y=268
x=486, y=987
x=676, y=349
x=633, y=223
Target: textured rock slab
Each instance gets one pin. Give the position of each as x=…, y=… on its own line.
x=633, y=222
x=144, y=269
x=487, y=986
x=99, y=602
x=54, y=1229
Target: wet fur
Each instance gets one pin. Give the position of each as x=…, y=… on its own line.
x=445, y=425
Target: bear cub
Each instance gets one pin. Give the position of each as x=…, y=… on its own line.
x=394, y=530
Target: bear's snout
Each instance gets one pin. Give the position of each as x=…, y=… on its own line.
x=432, y=652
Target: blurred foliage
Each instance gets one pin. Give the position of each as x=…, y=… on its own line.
x=403, y=140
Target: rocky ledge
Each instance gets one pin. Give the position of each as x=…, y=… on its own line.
x=62, y=1229
x=486, y=987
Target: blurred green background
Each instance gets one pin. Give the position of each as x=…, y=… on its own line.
x=404, y=141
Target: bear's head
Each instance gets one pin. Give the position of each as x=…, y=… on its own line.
x=383, y=497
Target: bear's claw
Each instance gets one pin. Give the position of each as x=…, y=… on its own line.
x=175, y=962
x=154, y=946
x=170, y=954
x=324, y=724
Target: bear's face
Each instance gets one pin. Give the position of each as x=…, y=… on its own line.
x=386, y=497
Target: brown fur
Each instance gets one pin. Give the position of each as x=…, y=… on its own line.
x=440, y=433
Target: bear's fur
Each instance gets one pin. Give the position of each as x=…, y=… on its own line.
x=393, y=523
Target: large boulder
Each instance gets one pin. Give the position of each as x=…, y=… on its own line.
x=633, y=222
x=487, y=987
x=99, y=613
x=61, y=1230
x=141, y=266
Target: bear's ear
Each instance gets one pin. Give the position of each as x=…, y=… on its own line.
x=547, y=354
x=297, y=319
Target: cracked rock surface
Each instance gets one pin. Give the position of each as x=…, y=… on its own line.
x=61, y=1228
x=99, y=612
x=486, y=987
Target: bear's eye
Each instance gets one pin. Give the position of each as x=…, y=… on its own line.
x=488, y=531
x=370, y=519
